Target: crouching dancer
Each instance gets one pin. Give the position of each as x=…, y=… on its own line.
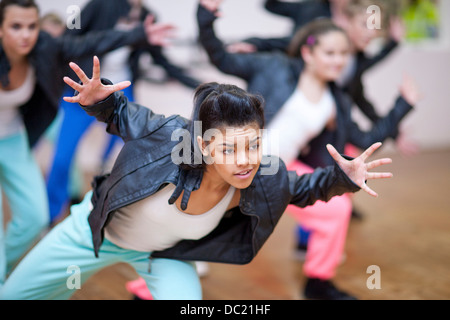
x=163, y=206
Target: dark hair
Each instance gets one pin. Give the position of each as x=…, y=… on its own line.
x=21, y=3
x=222, y=105
x=309, y=35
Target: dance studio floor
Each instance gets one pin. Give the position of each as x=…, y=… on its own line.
x=405, y=232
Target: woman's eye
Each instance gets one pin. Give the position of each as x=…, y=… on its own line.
x=16, y=26
x=228, y=151
x=254, y=147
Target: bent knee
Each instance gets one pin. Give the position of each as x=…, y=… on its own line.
x=174, y=280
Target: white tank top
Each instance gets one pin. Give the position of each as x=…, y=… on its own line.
x=152, y=224
x=10, y=118
x=298, y=121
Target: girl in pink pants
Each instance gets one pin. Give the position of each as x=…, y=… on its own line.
x=328, y=223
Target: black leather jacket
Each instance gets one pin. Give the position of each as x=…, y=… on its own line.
x=275, y=76
x=144, y=166
x=50, y=58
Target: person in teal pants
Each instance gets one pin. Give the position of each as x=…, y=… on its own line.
x=32, y=64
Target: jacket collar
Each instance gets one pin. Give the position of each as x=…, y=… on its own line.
x=189, y=180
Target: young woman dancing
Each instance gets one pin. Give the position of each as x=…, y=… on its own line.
x=220, y=203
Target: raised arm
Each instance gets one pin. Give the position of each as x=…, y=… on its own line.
x=356, y=90
x=367, y=63
x=267, y=44
x=388, y=125
x=101, y=99
x=397, y=32
x=287, y=9
x=100, y=42
x=240, y=65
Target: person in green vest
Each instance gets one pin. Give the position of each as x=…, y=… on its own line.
x=422, y=20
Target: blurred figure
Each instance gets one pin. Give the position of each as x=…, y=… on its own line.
x=53, y=24
x=352, y=16
x=309, y=111
x=118, y=65
x=32, y=65
x=20, y=176
x=354, y=21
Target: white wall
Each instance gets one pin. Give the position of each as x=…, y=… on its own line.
x=429, y=64
x=429, y=123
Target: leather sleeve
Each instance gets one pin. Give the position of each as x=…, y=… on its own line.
x=240, y=65
x=270, y=44
x=125, y=119
x=98, y=42
x=287, y=9
x=322, y=184
x=368, y=63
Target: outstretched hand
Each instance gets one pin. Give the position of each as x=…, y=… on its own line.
x=358, y=170
x=92, y=90
x=158, y=34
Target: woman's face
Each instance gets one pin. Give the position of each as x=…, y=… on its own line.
x=20, y=30
x=359, y=33
x=329, y=56
x=233, y=154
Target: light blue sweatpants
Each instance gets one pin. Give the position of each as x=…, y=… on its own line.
x=24, y=187
x=65, y=257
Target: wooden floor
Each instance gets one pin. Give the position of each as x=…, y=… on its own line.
x=406, y=232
